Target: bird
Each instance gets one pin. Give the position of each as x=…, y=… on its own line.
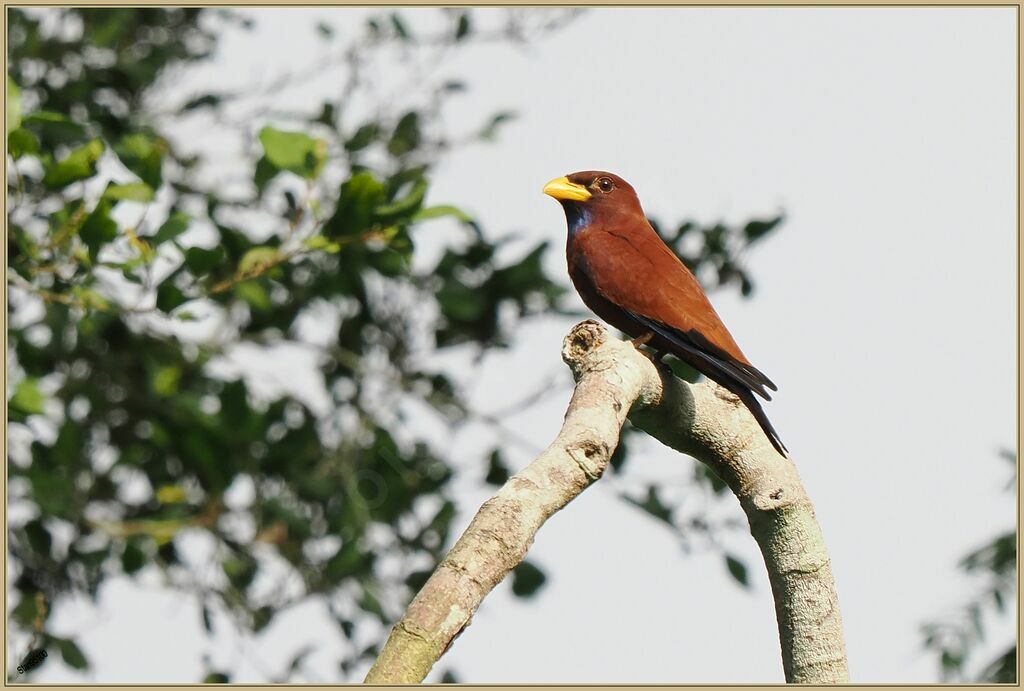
x=629, y=277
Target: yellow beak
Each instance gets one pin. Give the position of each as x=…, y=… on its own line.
x=561, y=188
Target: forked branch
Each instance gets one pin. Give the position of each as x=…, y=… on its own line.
x=613, y=380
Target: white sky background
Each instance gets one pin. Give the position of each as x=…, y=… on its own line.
x=884, y=310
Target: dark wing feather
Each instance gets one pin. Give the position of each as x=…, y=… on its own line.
x=725, y=368
x=725, y=373
x=754, y=406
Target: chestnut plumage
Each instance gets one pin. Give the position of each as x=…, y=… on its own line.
x=631, y=279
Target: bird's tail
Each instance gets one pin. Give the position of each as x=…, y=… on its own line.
x=758, y=412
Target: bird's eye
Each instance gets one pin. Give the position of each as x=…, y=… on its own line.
x=605, y=185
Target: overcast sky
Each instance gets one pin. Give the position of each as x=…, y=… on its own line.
x=885, y=311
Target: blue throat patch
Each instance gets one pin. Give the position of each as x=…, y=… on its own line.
x=577, y=216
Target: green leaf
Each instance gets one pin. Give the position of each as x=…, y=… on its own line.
x=171, y=494
x=417, y=579
x=705, y=475
x=52, y=490
x=459, y=302
x=134, y=191
x=319, y=242
x=390, y=262
x=653, y=505
x=69, y=441
x=257, y=256
x=264, y=173
x=72, y=654
x=442, y=520
x=400, y=28
x=21, y=142
x=13, y=105
x=328, y=115
x=406, y=206
x=463, y=28
x=78, y=165
x=497, y=471
x=262, y=617
x=99, y=228
x=998, y=557
x=440, y=212
x=348, y=560
x=363, y=137
x=951, y=661
x=998, y=600
x=25, y=611
x=755, y=230
x=1001, y=670
x=176, y=224
x=209, y=100
x=169, y=296
x=358, y=199
x=165, y=380
x=53, y=128
x=490, y=130
x=240, y=570
x=369, y=603
x=527, y=579
x=200, y=261
x=737, y=570
x=27, y=398
x=90, y=298
x=143, y=155
x=295, y=152
x=254, y=294
x=300, y=657
x=406, y=136
x=216, y=678
x=133, y=558
x=525, y=275
x=38, y=537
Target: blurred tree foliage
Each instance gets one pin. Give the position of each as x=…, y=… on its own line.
x=133, y=275
x=957, y=637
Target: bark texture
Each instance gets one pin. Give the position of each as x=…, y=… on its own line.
x=705, y=421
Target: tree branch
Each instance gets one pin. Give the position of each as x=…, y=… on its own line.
x=705, y=421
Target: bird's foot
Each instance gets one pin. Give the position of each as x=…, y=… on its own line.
x=654, y=356
x=642, y=340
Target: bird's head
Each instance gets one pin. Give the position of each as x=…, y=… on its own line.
x=593, y=194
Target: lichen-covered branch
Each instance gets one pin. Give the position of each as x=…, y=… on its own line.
x=503, y=529
x=705, y=421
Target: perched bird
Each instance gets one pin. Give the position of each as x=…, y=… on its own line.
x=630, y=278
